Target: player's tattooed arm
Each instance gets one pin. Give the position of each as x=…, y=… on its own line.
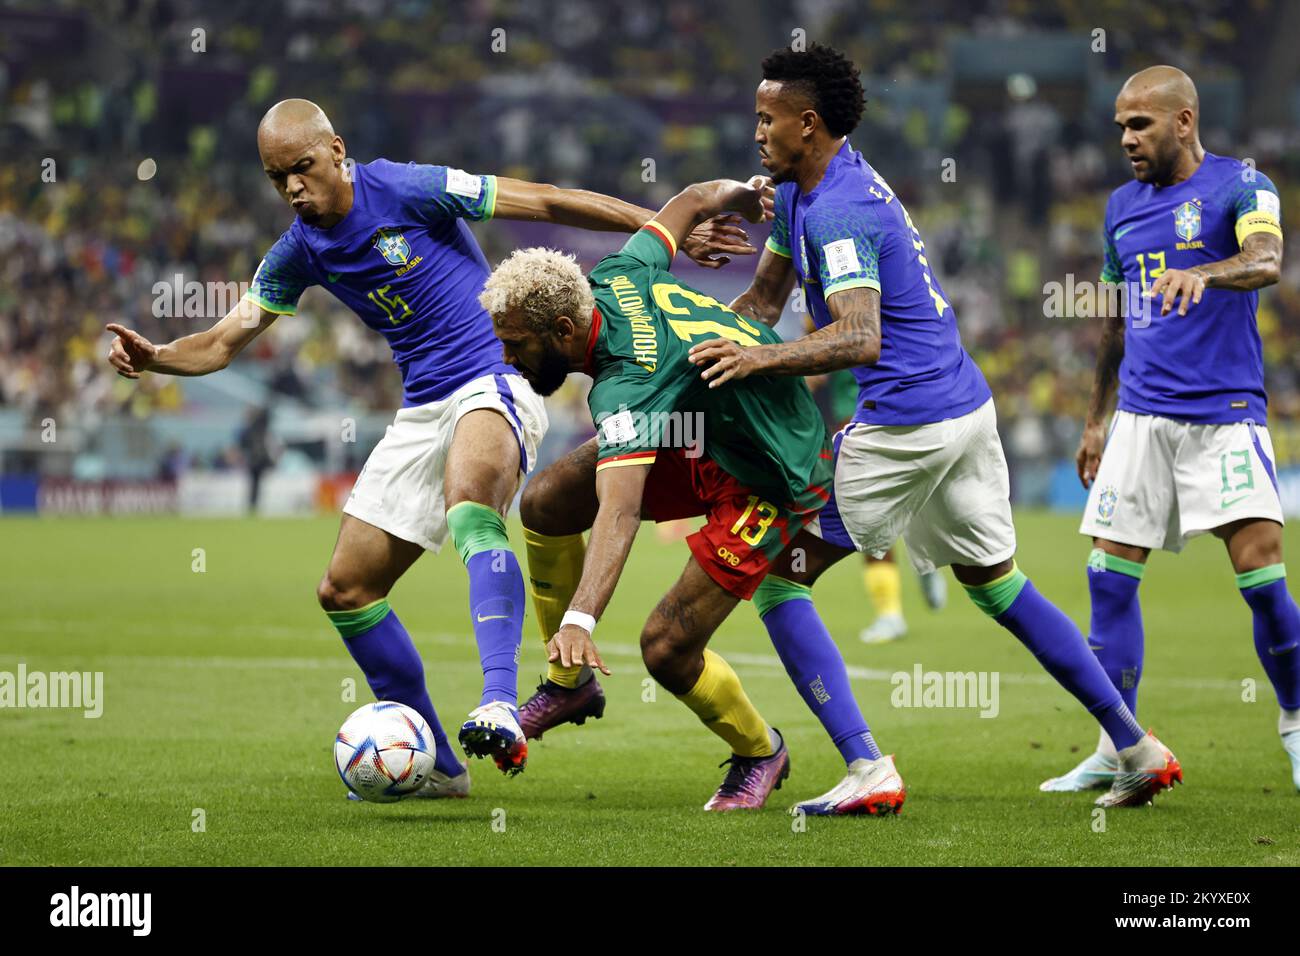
x=197, y=354
x=765, y=299
x=852, y=338
x=618, y=517
x=719, y=236
x=1258, y=264
x=1110, y=352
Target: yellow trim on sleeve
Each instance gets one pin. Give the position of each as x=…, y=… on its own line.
x=659, y=230
x=1253, y=222
x=851, y=284
x=492, y=198
x=620, y=462
x=776, y=247
x=267, y=306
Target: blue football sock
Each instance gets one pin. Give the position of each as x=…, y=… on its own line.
x=814, y=664
x=1277, y=630
x=496, y=596
x=385, y=653
x=496, y=601
x=1116, y=636
x=1014, y=602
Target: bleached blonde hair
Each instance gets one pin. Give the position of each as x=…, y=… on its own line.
x=541, y=284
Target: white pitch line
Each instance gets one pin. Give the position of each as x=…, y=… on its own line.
x=609, y=649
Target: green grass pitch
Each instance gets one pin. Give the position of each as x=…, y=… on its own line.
x=223, y=690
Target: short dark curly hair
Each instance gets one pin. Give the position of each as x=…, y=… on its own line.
x=827, y=77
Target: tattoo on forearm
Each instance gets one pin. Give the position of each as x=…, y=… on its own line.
x=852, y=339
x=1256, y=266
x=1109, y=355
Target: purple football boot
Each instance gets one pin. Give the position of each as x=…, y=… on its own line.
x=553, y=705
x=751, y=780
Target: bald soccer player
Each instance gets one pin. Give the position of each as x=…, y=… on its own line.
x=389, y=240
x=1187, y=451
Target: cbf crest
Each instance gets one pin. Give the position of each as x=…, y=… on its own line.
x=392, y=245
x=1187, y=220
x=1106, y=502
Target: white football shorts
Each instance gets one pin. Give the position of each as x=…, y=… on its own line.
x=400, y=489
x=1162, y=481
x=942, y=486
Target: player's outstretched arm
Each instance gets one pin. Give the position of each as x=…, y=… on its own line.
x=1258, y=264
x=1105, y=381
x=765, y=299
x=620, y=490
x=719, y=236
x=197, y=354
x=850, y=339
x=700, y=201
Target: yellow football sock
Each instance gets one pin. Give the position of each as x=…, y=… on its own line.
x=718, y=699
x=884, y=586
x=554, y=569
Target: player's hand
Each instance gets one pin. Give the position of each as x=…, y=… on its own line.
x=1088, y=458
x=729, y=361
x=131, y=353
x=720, y=236
x=1184, y=286
x=759, y=204
x=573, y=647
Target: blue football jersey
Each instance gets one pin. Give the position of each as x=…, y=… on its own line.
x=852, y=232
x=406, y=263
x=1207, y=366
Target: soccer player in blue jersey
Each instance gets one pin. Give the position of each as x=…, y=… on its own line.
x=921, y=457
x=1188, y=450
x=389, y=240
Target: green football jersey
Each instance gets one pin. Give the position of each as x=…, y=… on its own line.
x=764, y=431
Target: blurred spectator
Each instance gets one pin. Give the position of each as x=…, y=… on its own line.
x=584, y=93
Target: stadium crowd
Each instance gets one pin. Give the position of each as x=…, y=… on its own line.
x=583, y=94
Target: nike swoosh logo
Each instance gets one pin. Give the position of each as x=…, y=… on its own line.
x=1229, y=502
x=1278, y=651
x=492, y=617
x=1121, y=233
x=334, y=276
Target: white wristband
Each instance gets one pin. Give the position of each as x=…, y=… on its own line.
x=584, y=621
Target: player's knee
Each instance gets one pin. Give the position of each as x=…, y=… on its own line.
x=973, y=576
x=546, y=508
x=1263, y=553
x=535, y=508
x=341, y=595
x=660, y=653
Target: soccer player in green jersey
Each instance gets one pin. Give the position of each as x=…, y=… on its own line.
x=758, y=468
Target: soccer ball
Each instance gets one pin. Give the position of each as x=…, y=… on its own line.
x=384, y=751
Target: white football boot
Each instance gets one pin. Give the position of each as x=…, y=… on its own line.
x=934, y=588
x=870, y=786
x=886, y=627
x=439, y=786
x=493, y=731
x=1095, y=771
x=1291, y=744
x=1145, y=769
